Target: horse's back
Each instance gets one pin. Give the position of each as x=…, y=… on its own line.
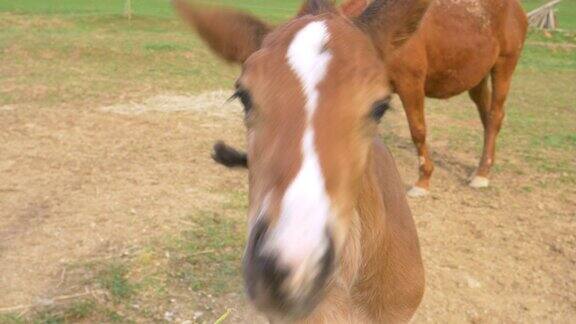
x=459, y=42
x=464, y=23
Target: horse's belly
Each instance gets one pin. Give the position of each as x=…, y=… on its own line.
x=459, y=67
x=453, y=81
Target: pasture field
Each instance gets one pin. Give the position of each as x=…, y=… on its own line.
x=111, y=209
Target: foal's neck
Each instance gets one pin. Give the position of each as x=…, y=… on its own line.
x=367, y=234
x=371, y=210
x=388, y=273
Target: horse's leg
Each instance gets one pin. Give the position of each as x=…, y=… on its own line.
x=480, y=94
x=412, y=96
x=501, y=79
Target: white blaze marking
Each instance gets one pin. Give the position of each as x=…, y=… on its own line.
x=300, y=232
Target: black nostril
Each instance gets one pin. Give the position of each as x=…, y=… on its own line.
x=262, y=272
x=272, y=276
x=266, y=277
x=266, y=266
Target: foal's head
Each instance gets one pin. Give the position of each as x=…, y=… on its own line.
x=313, y=90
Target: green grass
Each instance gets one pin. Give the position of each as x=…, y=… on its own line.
x=538, y=133
x=11, y=319
x=273, y=9
x=70, y=313
x=557, y=37
x=111, y=276
x=543, y=58
x=114, y=279
x=74, y=312
x=207, y=257
x=62, y=50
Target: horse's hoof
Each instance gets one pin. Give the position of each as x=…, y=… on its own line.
x=479, y=182
x=417, y=192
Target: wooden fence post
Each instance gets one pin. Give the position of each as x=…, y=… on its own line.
x=544, y=16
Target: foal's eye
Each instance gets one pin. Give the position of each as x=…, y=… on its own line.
x=244, y=97
x=379, y=108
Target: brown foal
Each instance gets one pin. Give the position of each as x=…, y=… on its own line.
x=331, y=237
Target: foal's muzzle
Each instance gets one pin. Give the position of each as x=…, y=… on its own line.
x=279, y=290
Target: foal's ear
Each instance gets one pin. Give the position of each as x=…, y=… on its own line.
x=316, y=7
x=392, y=22
x=231, y=34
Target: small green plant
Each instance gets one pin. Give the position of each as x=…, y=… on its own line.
x=79, y=310
x=113, y=317
x=113, y=278
x=49, y=316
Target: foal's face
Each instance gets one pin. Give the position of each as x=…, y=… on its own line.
x=313, y=91
x=313, y=95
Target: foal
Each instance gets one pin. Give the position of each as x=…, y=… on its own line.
x=460, y=45
x=331, y=236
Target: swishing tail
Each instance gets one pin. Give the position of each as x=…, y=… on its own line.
x=229, y=156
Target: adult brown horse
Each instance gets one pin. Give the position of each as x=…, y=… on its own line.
x=460, y=45
x=331, y=237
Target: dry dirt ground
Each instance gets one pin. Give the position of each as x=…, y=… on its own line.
x=86, y=185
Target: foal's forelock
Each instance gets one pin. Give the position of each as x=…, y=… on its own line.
x=300, y=232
